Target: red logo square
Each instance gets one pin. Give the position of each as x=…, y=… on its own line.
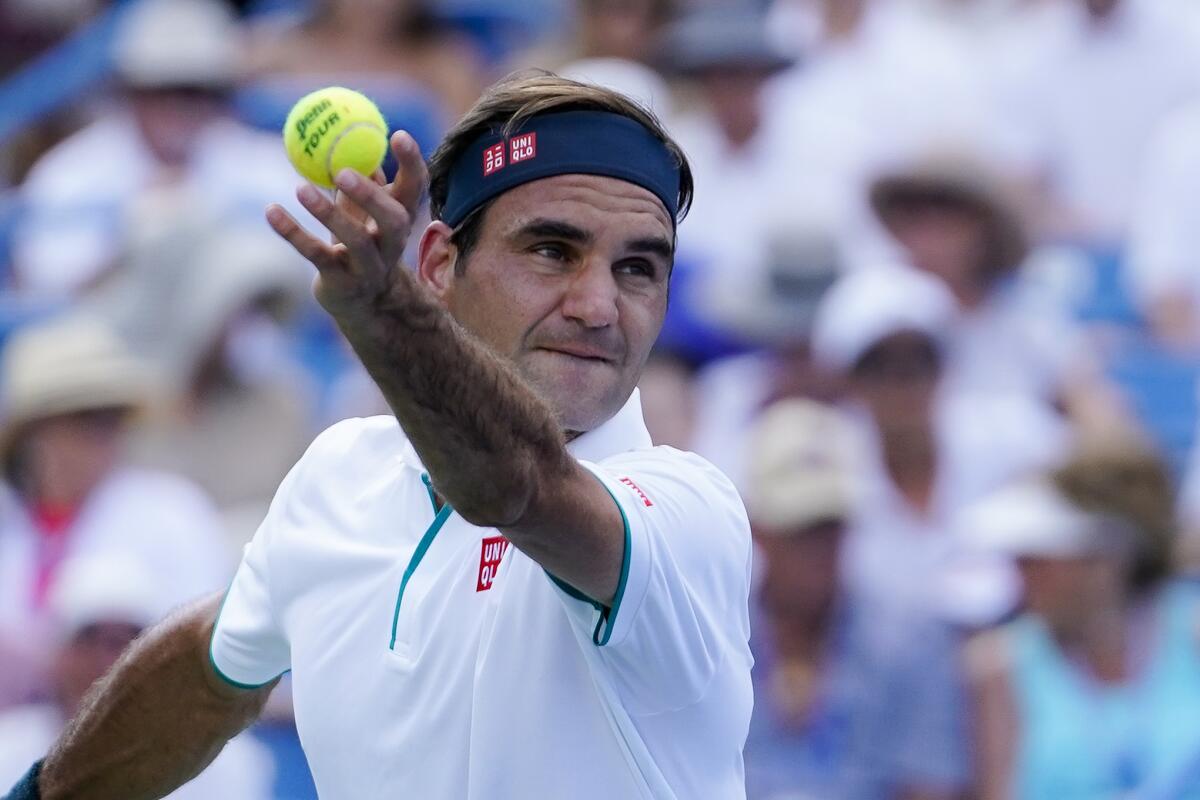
x=491, y=553
x=493, y=159
x=522, y=148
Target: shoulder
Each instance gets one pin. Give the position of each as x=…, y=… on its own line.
x=677, y=470
x=365, y=438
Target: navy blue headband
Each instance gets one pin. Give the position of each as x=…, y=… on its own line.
x=563, y=143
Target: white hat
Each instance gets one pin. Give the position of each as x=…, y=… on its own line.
x=801, y=470
x=872, y=303
x=91, y=589
x=1032, y=518
x=67, y=364
x=162, y=43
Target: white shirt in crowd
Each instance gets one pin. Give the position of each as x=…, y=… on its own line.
x=1081, y=100
x=1164, y=246
x=431, y=659
x=79, y=199
x=163, y=523
x=921, y=560
x=242, y=771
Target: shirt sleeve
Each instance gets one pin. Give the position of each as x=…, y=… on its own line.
x=249, y=647
x=681, y=606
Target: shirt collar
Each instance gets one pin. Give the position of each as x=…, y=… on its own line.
x=624, y=432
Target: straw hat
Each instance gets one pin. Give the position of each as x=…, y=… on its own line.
x=802, y=469
x=66, y=365
x=961, y=181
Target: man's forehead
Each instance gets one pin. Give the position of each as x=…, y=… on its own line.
x=587, y=199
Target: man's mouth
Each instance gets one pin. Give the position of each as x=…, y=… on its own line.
x=582, y=352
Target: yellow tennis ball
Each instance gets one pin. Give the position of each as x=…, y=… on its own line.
x=331, y=129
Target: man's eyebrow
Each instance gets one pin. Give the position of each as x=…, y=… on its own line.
x=655, y=245
x=554, y=228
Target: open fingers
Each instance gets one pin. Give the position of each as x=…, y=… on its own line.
x=323, y=255
x=352, y=233
x=412, y=177
x=392, y=220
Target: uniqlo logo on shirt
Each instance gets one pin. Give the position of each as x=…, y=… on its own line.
x=638, y=491
x=491, y=553
x=522, y=148
x=493, y=159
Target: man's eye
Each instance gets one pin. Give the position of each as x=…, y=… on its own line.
x=552, y=251
x=637, y=268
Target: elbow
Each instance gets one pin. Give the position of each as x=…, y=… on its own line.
x=501, y=502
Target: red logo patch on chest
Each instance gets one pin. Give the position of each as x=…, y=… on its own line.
x=491, y=553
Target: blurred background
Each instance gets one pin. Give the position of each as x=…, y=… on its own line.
x=936, y=311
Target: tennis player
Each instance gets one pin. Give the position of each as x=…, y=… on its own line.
x=505, y=591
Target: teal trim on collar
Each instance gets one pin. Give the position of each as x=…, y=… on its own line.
x=608, y=617
x=422, y=547
x=432, y=494
x=212, y=636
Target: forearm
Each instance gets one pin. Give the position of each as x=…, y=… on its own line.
x=154, y=721
x=489, y=443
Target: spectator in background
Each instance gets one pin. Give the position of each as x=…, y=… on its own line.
x=69, y=389
x=1082, y=86
x=904, y=81
x=206, y=306
x=930, y=450
x=1089, y=693
x=854, y=700
x=1164, y=246
x=771, y=312
x=170, y=133
x=385, y=47
x=625, y=30
x=955, y=219
x=98, y=606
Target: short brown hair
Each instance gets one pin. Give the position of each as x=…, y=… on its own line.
x=526, y=94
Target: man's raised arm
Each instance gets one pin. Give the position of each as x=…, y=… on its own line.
x=158, y=718
x=493, y=448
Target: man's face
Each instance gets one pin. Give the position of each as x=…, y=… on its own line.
x=802, y=569
x=568, y=280
x=896, y=379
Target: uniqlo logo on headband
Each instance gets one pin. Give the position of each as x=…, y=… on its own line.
x=491, y=553
x=493, y=159
x=522, y=148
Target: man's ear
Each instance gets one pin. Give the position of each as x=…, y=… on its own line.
x=437, y=257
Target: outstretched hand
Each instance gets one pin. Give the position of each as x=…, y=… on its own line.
x=370, y=223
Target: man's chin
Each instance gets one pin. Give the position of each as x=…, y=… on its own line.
x=580, y=405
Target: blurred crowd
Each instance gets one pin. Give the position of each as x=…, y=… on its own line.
x=936, y=312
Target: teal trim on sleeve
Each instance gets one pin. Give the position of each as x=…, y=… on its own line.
x=609, y=618
x=608, y=614
x=430, y=534
x=212, y=659
x=574, y=593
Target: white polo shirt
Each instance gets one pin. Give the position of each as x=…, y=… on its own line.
x=431, y=660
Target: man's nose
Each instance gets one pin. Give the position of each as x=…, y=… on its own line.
x=591, y=296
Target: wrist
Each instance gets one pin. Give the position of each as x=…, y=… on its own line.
x=27, y=787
